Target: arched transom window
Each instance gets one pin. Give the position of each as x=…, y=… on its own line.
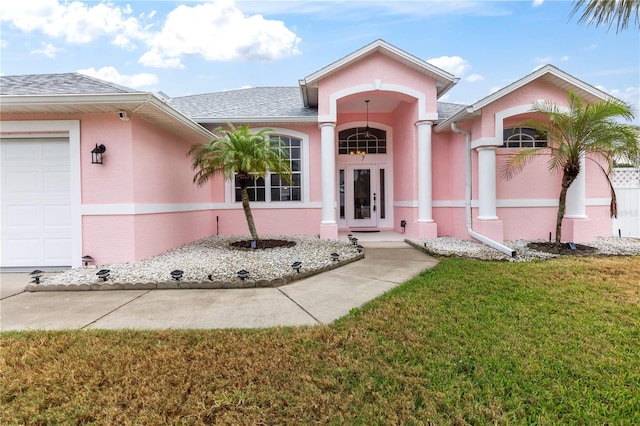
x=360, y=140
x=523, y=137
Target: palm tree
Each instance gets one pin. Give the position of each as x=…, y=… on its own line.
x=582, y=130
x=608, y=11
x=240, y=153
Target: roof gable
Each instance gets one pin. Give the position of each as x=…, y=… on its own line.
x=549, y=74
x=309, y=85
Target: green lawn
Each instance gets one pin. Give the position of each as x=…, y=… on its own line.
x=467, y=342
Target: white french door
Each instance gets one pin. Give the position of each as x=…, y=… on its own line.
x=364, y=195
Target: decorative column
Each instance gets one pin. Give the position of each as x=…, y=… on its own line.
x=328, y=225
x=576, y=195
x=487, y=223
x=487, y=183
x=576, y=226
x=427, y=228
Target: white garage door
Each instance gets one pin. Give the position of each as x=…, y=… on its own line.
x=36, y=203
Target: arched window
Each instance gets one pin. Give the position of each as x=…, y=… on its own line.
x=523, y=137
x=359, y=140
x=272, y=187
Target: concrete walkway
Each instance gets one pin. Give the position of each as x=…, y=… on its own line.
x=320, y=299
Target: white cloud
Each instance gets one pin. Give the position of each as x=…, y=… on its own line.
x=111, y=74
x=537, y=3
x=630, y=95
x=4, y=43
x=564, y=58
x=474, y=77
x=453, y=64
x=219, y=31
x=48, y=49
x=216, y=30
x=76, y=22
x=543, y=59
x=156, y=60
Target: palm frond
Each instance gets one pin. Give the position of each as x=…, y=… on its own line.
x=618, y=12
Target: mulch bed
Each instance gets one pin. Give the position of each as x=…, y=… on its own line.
x=563, y=249
x=263, y=244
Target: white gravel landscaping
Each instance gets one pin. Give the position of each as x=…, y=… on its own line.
x=214, y=257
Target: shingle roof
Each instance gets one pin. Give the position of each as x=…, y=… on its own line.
x=261, y=102
x=258, y=102
x=447, y=109
x=254, y=103
x=58, y=84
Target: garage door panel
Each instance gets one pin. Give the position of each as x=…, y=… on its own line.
x=56, y=251
x=56, y=151
x=57, y=182
x=22, y=182
x=57, y=216
x=23, y=218
x=24, y=251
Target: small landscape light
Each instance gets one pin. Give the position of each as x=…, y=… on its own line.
x=350, y=236
x=297, y=266
x=36, y=275
x=86, y=260
x=243, y=274
x=335, y=256
x=177, y=274
x=354, y=240
x=103, y=274
x=359, y=248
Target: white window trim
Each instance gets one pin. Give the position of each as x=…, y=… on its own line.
x=305, y=202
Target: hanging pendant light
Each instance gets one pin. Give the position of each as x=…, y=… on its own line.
x=367, y=130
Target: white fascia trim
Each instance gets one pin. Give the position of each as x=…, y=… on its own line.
x=258, y=120
x=72, y=128
x=139, y=209
x=179, y=116
x=373, y=86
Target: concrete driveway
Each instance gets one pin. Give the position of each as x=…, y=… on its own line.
x=319, y=299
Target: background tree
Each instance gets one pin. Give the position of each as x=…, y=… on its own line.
x=242, y=154
x=608, y=12
x=582, y=130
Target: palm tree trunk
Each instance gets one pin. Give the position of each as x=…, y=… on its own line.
x=247, y=212
x=568, y=176
x=562, y=206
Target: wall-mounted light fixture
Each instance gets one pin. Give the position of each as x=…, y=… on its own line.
x=123, y=115
x=96, y=154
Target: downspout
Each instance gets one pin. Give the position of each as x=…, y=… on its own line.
x=467, y=199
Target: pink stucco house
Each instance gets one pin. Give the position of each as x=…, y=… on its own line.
x=370, y=144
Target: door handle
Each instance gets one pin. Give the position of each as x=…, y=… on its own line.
x=374, y=201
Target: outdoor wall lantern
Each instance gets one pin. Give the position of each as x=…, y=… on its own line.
x=177, y=274
x=243, y=274
x=36, y=275
x=103, y=274
x=296, y=266
x=335, y=256
x=96, y=154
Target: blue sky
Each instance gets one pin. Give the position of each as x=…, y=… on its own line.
x=187, y=47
